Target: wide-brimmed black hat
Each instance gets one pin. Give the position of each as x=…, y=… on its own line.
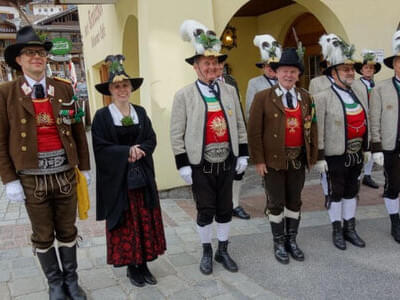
x=221, y=57
x=388, y=61
x=289, y=58
x=358, y=66
x=117, y=74
x=26, y=37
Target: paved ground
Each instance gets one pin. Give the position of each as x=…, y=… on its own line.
x=327, y=273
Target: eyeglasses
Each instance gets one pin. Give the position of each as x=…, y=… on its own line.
x=33, y=52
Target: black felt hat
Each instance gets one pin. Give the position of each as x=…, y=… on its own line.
x=289, y=58
x=116, y=74
x=358, y=66
x=26, y=37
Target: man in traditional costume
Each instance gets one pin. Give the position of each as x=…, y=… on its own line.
x=42, y=141
x=209, y=141
x=283, y=142
x=367, y=69
x=270, y=51
x=385, y=134
x=342, y=118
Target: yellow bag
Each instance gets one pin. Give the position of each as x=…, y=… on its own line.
x=82, y=194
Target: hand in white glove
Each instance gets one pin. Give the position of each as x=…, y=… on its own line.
x=87, y=176
x=367, y=156
x=186, y=174
x=321, y=166
x=241, y=164
x=378, y=158
x=15, y=191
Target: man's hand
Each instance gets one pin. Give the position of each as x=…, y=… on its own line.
x=14, y=191
x=87, y=176
x=321, y=166
x=241, y=164
x=378, y=158
x=261, y=169
x=135, y=153
x=186, y=174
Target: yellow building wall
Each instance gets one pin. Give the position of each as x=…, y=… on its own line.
x=157, y=53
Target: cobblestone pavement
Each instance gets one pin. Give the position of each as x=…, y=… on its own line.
x=177, y=270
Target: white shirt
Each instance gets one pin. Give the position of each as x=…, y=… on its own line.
x=366, y=82
x=117, y=115
x=32, y=82
x=345, y=96
x=292, y=92
x=205, y=89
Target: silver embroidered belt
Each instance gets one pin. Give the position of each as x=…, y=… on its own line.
x=50, y=162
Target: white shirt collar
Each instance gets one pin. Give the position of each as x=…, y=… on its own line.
x=32, y=82
x=292, y=90
x=205, y=89
x=117, y=115
x=344, y=95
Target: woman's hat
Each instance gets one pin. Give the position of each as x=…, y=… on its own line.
x=369, y=58
x=270, y=50
x=117, y=74
x=205, y=41
x=26, y=37
x=290, y=57
x=388, y=61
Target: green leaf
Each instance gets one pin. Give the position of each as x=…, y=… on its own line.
x=127, y=121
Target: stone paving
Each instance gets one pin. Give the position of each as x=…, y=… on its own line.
x=177, y=271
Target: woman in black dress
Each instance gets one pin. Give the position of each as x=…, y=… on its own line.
x=123, y=135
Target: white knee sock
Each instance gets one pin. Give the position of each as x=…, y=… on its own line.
x=275, y=218
x=392, y=205
x=205, y=233
x=236, y=192
x=324, y=183
x=349, y=208
x=368, y=167
x=69, y=245
x=291, y=214
x=223, y=231
x=335, y=211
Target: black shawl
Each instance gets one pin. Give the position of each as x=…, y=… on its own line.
x=112, y=166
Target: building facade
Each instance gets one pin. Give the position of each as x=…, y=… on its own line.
x=147, y=33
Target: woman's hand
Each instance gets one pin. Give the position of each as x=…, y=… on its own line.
x=135, y=153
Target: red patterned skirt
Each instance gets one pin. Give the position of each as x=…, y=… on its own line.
x=140, y=238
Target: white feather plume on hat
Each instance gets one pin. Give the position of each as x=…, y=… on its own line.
x=396, y=43
x=269, y=47
x=191, y=29
x=335, y=50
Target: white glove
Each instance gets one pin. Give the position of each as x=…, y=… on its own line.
x=367, y=156
x=378, y=158
x=87, y=176
x=186, y=174
x=15, y=192
x=321, y=166
x=241, y=164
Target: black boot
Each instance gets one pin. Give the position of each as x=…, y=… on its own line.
x=350, y=234
x=206, y=263
x=368, y=181
x=135, y=275
x=240, y=213
x=291, y=246
x=49, y=262
x=147, y=276
x=337, y=235
x=395, y=231
x=69, y=264
x=279, y=242
x=222, y=256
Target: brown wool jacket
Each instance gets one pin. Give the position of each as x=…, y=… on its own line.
x=18, y=142
x=267, y=128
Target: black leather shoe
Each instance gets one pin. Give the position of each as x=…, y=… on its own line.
x=280, y=252
x=206, y=263
x=147, y=276
x=291, y=246
x=135, y=275
x=240, y=213
x=337, y=235
x=222, y=256
x=395, y=230
x=368, y=181
x=350, y=234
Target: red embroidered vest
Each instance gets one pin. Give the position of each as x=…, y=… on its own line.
x=294, y=127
